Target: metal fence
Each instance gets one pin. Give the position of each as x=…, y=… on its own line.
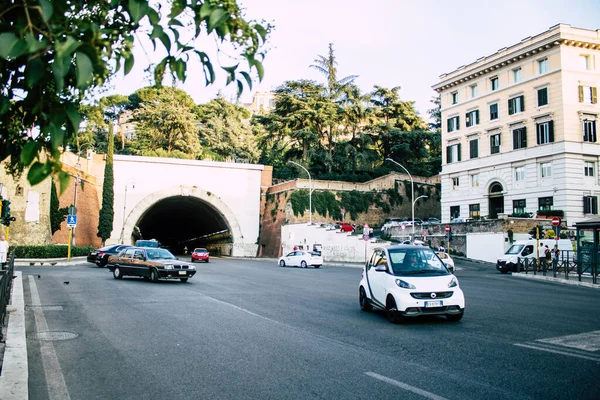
x=566, y=266
x=6, y=276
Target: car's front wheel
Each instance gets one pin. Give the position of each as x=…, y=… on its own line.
x=117, y=273
x=392, y=312
x=364, y=301
x=154, y=275
x=303, y=264
x=282, y=263
x=183, y=279
x=317, y=266
x=455, y=317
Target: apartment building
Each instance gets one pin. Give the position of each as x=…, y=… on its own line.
x=520, y=129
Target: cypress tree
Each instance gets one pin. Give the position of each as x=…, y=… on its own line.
x=105, y=223
x=57, y=215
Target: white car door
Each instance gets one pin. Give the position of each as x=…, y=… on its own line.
x=376, y=278
x=296, y=258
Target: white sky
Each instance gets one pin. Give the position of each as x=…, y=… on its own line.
x=386, y=42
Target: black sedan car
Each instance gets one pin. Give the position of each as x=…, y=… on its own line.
x=100, y=256
x=150, y=263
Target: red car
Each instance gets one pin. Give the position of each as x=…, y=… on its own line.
x=200, y=254
x=344, y=227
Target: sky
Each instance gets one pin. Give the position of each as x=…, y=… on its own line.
x=385, y=42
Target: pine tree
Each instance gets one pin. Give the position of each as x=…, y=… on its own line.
x=105, y=223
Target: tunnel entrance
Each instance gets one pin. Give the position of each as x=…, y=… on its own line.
x=182, y=221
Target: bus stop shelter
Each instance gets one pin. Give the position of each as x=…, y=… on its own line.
x=588, y=247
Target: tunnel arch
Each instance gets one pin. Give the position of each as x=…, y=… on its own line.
x=218, y=206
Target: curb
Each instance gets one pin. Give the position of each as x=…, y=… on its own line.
x=48, y=262
x=557, y=280
x=15, y=367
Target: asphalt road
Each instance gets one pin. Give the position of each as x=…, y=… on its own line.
x=248, y=329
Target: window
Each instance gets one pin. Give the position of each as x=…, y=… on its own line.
x=519, y=174
x=590, y=205
x=454, y=212
x=474, y=91
x=454, y=97
x=545, y=132
x=589, y=131
x=545, y=203
x=19, y=191
x=542, y=97
x=455, y=183
x=588, y=94
x=588, y=168
x=474, y=148
x=493, y=111
x=453, y=124
x=517, y=75
x=495, y=143
x=516, y=105
x=472, y=118
x=546, y=170
x=475, y=180
x=474, y=210
x=453, y=153
x=543, y=66
x=494, y=83
x=520, y=138
x=519, y=206
x=585, y=61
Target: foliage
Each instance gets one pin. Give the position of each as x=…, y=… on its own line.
x=540, y=228
x=551, y=213
x=522, y=215
x=51, y=251
x=106, y=215
x=55, y=53
x=57, y=215
x=550, y=234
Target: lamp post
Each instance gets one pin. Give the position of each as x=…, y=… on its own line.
x=413, y=207
x=132, y=182
x=309, y=191
x=412, y=191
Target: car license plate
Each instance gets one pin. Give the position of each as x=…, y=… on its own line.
x=433, y=303
x=182, y=273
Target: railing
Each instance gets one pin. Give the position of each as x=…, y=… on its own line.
x=6, y=276
x=566, y=266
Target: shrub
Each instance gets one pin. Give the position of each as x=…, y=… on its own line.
x=50, y=251
x=551, y=213
x=522, y=215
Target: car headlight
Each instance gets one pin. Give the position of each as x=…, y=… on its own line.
x=453, y=282
x=168, y=266
x=404, y=284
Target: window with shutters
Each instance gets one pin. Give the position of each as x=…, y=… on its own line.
x=475, y=180
x=453, y=124
x=493, y=111
x=494, y=83
x=453, y=153
x=516, y=105
x=495, y=143
x=519, y=206
x=588, y=94
x=589, y=131
x=542, y=97
x=545, y=203
x=545, y=132
x=590, y=205
x=454, y=97
x=546, y=170
x=455, y=183
x=543, y=66
x=588, y=168
x=454, y=212
x=472, y=118
x=517, y=74
x=519, y=174
x=474, y=211
x=519, y=138
x=474, y=148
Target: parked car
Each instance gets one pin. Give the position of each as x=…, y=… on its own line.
x=150, y=263
x=409, y=281
x=446, y=259
x=460, y=219
x=389, y=222
x=433, y=220
x=344, y=227
x=200, y=254
x=415, y=243
x=100, y=256
x=148, y=243
x=301, y=258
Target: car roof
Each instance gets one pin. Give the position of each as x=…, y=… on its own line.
x=402, y=246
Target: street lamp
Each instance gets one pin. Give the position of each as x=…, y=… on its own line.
x=132, y=182
x=413, y=206
x=309, y=191
x=412, y=191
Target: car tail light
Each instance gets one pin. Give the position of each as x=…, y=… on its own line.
x=100, y=254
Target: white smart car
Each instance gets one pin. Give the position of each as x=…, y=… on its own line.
x=409, y=281
x=301, y=258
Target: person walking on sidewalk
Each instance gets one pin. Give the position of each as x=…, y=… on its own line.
x=3, y=250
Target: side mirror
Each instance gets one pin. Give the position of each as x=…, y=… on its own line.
x=381, y=268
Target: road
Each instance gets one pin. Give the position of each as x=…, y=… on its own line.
x=248, y=329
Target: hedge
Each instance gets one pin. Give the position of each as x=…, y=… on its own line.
x=50, y=251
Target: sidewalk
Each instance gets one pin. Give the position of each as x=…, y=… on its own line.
x=26, y=262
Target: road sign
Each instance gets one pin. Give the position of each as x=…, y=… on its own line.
x=365, y=237
x=447, y=228
x=71, y=221
x=555, y=221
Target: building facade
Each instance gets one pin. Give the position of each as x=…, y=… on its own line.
x=519, y=129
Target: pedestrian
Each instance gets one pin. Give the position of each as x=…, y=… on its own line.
x=548, y=254
x=185, y=250
x=3, y=250
x=295, y=248
x=555, y=257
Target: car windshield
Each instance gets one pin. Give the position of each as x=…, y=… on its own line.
x=515, y=249
x=159, y=254
x=199, y=250
x=106, y=248
x=416, y=261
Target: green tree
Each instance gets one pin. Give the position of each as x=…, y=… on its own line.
x=327, y=65
x=57, y=214
x=106, y=216
x=54, y=54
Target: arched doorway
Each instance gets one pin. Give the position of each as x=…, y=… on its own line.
x=496, y=200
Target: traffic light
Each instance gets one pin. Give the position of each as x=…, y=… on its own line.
x=5, y=216
x=450, y=236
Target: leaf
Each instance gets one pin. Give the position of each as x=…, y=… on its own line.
x=85, y=70
x=33, y=72
x=57, y=136
x=4, y=104
x=30, y=150
x=240, y=86
x=153, y=16
x=129, y=61
x=217, y=17
x=261, y=31
x=64, y=179
x=180, y=67
x=38, y=172
x=9, y=43
x=74, y=116
x=175, y=22
x=259, y=69
x=205, y=10
x=46, y=9
x=247, y=78
x=33, y=44
x=138, y=9
x=177, y=6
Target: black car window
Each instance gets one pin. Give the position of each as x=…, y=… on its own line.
x=127, y=253
x=138, y=255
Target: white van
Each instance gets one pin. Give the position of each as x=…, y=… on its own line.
x=525, y=249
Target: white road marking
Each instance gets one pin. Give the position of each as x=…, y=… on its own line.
x=566, y=353
x=589, y=341
x=55, y=380
x=405, y=386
